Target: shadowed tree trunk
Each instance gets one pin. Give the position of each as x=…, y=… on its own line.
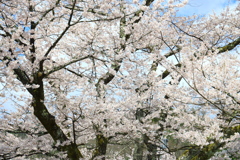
x=101, y=147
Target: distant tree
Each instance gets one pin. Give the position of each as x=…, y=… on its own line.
x=88, y=76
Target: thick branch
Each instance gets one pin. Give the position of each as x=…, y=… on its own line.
x=225, y=48
x=149, y=2
x=63, y=32
x=229, y=47
x=25, y=132
x=207, y=151
x=65, y=65
x=57, y=40
x=77, y=74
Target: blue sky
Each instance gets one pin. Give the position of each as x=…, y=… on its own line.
x=204, y=7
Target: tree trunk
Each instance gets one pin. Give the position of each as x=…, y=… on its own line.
x=139, y=150
x=151, y=148
x=43, y=115
x=101, y=147
x=49, y=123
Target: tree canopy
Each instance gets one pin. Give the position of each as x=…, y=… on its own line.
x=118, y=79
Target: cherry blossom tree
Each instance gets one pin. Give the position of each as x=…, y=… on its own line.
x=87, y=76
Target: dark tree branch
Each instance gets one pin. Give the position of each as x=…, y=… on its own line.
x=65, y=65
x=228, y=47
x=77, y=74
